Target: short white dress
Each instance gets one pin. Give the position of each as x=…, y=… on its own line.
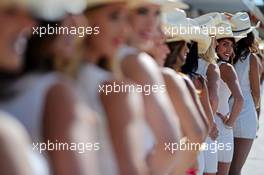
x=90, y=78
x=27, y=107
x=246, y=123
x=225, y=139
x=207, y=158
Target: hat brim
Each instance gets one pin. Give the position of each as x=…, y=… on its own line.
x=243, y=34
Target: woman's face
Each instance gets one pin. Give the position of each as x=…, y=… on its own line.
x=16, y=25
x=225, y=49
x=112, y=23
x=65, y=44
x=160, y=49
x=144, y=21
x=182, y=55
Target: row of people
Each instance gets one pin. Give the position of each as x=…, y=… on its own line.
x=54, y=87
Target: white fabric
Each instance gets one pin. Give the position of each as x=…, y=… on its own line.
x=210, y=156
x=89, y=80
x=225, y=135
x=28, y=105
x=149, y=139
x=202, y=67
x=209, y=161
x=201, y=163
x=224, y=94
x=246, y=124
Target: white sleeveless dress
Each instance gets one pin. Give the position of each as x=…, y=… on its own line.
x=225, y=137
x=27, y=106
x=90, y=78
x=149, y=138
x=246, y=123
x=207, y=159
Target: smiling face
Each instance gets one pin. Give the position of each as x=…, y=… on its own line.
x=225, y=49
x=15, y=28
x=182, y=55
x=144, y=21
x=112, y=23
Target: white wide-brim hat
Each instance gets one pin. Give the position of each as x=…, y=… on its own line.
x=209, y=20
x=241, y=25
x=218, y=21
x=177, y=27
x=256, y=35
x=165, y=4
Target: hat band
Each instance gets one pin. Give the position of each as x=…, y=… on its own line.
x=242, y=30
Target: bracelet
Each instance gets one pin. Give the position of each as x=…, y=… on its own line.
x=228, y=127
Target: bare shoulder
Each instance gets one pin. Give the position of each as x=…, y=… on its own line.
x=226, y=67
x=253, y=59
x=141, y=67
x=213, y=68
x=170, y=74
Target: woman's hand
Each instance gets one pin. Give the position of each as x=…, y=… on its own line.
x=213, y=134
x=226, y=120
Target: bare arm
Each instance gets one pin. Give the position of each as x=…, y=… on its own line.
x=213, y=77
x=123, y=121
x=254, y=80
x=14, y=148
x=59, y=123
x=191, y=122
x=197, y=101
x=229, y=76
x=159, y=111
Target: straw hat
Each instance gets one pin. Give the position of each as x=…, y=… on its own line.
x=224, y=31
x=217, y=21
x=203, y=39
x=177, y=27
x=241, y=24
x=165, y=4
x=256, y=35
x=10, y=3
x=209, y=20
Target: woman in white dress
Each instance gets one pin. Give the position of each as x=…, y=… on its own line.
x=229, y=85
x=16, y=155
x=247, y=69
x=189, y=116
x=121, y=126
x=46, y=105
x=136, y=64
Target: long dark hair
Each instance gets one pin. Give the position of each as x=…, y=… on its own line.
x=37, y=55
x=175, y=48
x=242, y=48
x=231, y=60
x=191, y=63
x=36, y=58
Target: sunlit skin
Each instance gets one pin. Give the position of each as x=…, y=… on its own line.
x=180, y=61
x=112, y=24
x=16, y=28
x=144, y=22
x=160, y=50
x=225, y=49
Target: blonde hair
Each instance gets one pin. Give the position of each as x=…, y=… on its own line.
x=210, y=55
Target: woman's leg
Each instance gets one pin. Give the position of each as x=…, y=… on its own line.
x=241, y=150
x=223, y=168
